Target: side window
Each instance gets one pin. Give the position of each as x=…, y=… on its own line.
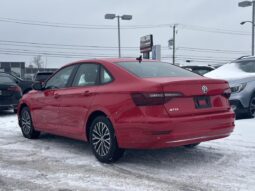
x=87, y=75
x=105, y=76
x=60, y=79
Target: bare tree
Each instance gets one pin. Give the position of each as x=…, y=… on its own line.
x=37, y=61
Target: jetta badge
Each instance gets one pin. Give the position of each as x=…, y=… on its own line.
x=204, y=89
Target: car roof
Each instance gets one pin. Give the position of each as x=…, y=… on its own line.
x=112, y=60
x=44, y=72
x=244, y=58
x=197, y=67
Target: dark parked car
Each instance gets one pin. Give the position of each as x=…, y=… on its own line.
x=25, y=85
x=201, y=70
x=118, y=104
x=10, y=93
x=42, y=76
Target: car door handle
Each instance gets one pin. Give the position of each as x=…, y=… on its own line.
x=56, y=95
x=86, y=93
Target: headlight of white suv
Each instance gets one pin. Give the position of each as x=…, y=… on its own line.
x=238, y=88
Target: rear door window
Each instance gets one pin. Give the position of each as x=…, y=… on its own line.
x=87, y=75
x=105, y=76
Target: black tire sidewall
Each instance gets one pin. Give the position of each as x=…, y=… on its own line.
x=32, y=133
x=112, y=155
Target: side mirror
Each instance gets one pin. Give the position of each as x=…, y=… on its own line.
x=37, y=86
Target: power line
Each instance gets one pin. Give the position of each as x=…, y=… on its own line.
x=100, y=27
x=80, y=54
x=212, y=50
x=213, y=30
x=101, y=47
x=64, y=48
x=65, y=45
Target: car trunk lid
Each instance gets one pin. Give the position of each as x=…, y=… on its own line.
x=196, y=95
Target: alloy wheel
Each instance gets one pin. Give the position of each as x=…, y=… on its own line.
x=101, y=139
x=26, y=122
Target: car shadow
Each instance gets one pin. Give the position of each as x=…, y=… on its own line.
x=240, y=117
x=159, y=158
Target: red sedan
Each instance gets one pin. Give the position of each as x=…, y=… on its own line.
x=118, y=104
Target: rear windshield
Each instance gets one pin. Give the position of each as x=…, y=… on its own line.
x=247, y=66
x=155, y=69
x=6, y=80
x=42, y=76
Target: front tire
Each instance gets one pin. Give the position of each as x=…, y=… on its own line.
x=26, y=124
x=103, y=140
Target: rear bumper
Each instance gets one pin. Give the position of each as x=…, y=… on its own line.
x=8, y=103
x=6, y=107
x=172, y=132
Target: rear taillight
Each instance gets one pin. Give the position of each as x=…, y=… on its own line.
x=14, y=89
x=227, y=93
x=147, y=99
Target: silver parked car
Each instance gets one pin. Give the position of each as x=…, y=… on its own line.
x=241, y=77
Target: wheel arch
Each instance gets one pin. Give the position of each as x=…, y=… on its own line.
x=94, y=114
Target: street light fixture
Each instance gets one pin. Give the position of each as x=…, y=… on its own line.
x=123, y=17
x=245, y=4
x=248, y=4
x=242, y=23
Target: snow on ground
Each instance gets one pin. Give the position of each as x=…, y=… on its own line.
x=57, y=163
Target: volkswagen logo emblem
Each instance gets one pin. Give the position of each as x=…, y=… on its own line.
x=204, y=89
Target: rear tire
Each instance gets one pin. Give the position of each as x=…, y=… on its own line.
x=191, y=145
x=26, y=124
x=15, y=111
x=103, y=140
x=251, y=109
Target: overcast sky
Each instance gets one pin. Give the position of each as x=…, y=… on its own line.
x=208, y=30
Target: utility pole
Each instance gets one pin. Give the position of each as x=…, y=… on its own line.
x=253, y=25
x=118, y=18
x=249, y=4
x=174, y=31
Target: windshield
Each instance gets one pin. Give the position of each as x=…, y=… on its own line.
x=155, y=69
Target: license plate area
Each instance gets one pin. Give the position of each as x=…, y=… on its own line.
x=202, y=102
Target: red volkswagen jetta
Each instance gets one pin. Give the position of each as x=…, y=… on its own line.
x=118, y=104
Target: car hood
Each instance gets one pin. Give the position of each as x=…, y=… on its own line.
x=231, y=73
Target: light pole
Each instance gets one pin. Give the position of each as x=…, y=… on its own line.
x=248, y=4
x=123, y=17
x=174, y=31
